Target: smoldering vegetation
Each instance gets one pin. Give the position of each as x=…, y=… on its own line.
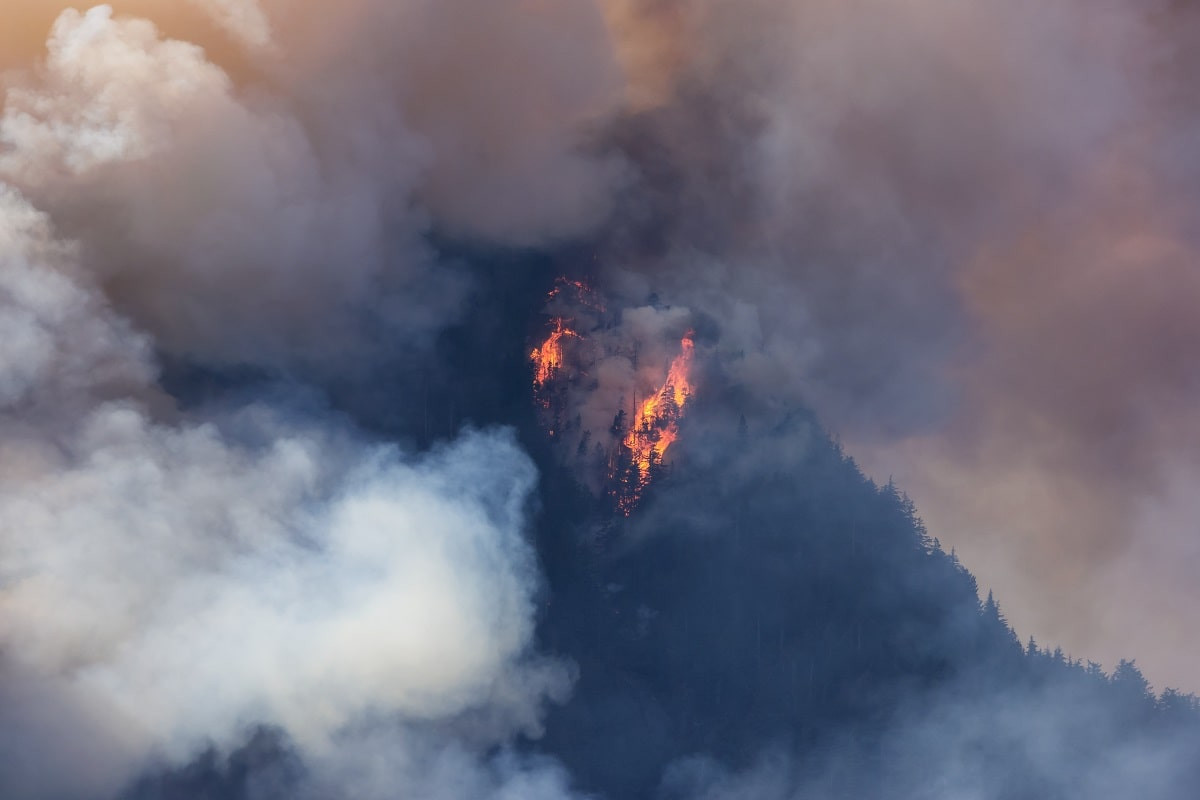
x=280, y=516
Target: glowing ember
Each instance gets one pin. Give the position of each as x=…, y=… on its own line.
x=548, y=359
x=656, y=425
x=581, y=291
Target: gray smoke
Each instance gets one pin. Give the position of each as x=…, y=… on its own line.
x=171, y=580
x=963, y=233
x=174, y=578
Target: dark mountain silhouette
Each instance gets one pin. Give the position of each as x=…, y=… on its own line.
x=769, y=623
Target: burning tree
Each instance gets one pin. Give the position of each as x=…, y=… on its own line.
x=638, y=439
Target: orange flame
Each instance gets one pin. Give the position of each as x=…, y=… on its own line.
x=634, y=454
x=548, y=359
x=656, y=426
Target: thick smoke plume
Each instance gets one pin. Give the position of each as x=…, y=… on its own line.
x=965, y=234
x=170, y=580
x=175, y=576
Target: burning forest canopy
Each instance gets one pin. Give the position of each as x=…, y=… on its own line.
x=481, y=399
x=621, y=459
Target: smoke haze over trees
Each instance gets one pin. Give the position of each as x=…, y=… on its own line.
x=286, y=510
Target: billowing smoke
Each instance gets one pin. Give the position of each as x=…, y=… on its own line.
x=170, y=580
x=193, y=198
x=176, y=577
x=963, y=233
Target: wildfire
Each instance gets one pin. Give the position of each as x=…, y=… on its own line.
x=548, y=358
x=656, y=425
x=571, y=364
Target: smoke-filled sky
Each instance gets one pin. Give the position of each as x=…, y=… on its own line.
x=965, y=233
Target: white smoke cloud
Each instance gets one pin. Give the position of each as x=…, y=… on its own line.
x=173, y=585
x=192, y=202
x=244, y=19
x=192, y=585
x=57, y=342
x=168, y=581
